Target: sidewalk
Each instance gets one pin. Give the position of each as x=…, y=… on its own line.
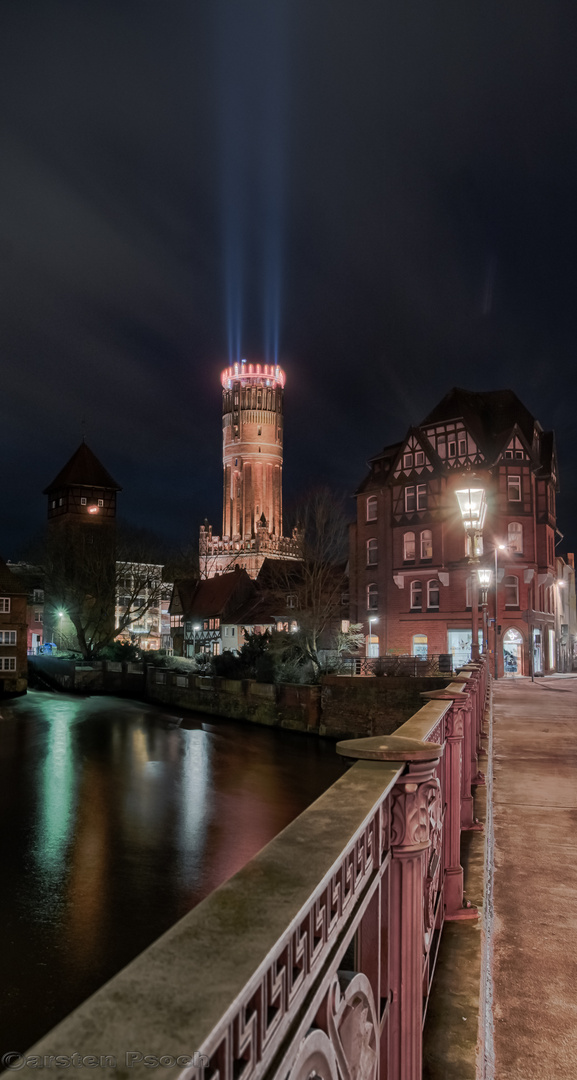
x=535, y=880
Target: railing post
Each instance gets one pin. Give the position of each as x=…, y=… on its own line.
x=416, y=811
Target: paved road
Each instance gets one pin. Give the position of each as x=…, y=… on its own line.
x=535, y=888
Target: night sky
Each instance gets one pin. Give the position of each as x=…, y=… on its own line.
x=385, y=192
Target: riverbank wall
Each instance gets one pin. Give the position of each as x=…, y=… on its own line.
x=342, y=706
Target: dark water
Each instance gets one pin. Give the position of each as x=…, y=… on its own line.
x=114, y=823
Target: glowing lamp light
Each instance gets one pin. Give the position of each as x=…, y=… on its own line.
x=484, y=576
x=473, y=507
x=93, y=509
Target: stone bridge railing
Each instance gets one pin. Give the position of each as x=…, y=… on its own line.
x=316, y=959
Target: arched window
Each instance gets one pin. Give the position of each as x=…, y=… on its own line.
x=433, y=594
x=515, y=536
x=511, y=591
x=372, y=597
x=426, y=544
x=416, y=596
x=409, y=547
x=372, y=508
x=419, y=644
x=372, y=552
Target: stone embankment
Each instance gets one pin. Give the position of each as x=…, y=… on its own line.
x=342, y=706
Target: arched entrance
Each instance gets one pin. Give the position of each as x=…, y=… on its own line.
x=512, y=652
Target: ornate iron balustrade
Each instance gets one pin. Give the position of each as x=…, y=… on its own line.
x=316, y=959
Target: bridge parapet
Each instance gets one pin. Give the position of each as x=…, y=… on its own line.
x=317, y=958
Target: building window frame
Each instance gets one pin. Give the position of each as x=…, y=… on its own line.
x=372, y=551
x=514, y=491
x=371, y=508
x=416, y=595
x=511, y=587
x=372, y=596
x=433, y=590
x=426, y=545
x=4, y=605
x=409, y=547
x=515, y=537
x=421, y=496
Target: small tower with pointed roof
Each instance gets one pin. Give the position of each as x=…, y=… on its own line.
x=83, y=491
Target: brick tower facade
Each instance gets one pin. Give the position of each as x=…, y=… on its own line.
x=252, y=452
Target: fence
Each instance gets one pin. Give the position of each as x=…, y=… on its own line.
x=435, y=664
x=317, y=958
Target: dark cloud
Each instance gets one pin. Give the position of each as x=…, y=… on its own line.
x=425, y=218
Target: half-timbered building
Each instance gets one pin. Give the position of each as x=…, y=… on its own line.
x=411, y=579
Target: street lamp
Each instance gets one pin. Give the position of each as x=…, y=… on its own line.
x=472, y=502
x=194, y=629
x=484, y=574
x=372, y=619
x=60, y=616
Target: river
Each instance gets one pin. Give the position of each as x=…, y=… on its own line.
x=117, y=817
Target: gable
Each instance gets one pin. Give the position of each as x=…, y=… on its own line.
x=415, y=458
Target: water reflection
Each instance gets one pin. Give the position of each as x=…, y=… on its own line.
x=115, y=821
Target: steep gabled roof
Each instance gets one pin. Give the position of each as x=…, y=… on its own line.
x=8, y=581
x=213, y=595
x=380, y=466
x=83, y=470
x=487, y=414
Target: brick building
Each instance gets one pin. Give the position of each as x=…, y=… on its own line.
x=252, y=459
x=410, y=572
x=13, y=648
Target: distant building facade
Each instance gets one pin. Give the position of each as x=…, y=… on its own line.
x=32, y=581
x=411, y=581
x=13, y=633
x=252, y=429
x=145, y=599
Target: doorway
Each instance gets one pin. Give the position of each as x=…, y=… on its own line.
x=512, y=652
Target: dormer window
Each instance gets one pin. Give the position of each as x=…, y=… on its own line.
x=519, y=454
x=420, y=457
x=408, y=461
x=508, y=453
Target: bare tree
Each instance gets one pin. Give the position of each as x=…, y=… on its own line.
x=310, y=592
x=87, y=569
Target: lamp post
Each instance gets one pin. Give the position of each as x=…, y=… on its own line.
x=372, y=619
x=484, y=574
x=194, y=629
x=472, y=502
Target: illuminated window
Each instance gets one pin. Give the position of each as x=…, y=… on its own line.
x=515, y=537
x=101, y=502
x=514, y=488
x=83, y=501
x=4, y=604
x=433, y=595
x=419, y=644
x=416, y=596
x=372, y=597
x=372, y=552
x=409, y=547
x=407, y=461
x=426, y=544
x=511, y=591
x=372, y=508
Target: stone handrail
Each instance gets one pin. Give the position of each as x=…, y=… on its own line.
x=317, y=957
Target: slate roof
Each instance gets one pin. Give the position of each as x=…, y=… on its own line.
x=8, y=581
x=83, y=470
x=487, y=414
x=213, y=596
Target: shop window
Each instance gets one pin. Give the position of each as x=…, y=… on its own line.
x=420, y=645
